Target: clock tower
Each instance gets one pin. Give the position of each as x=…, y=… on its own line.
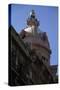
x=37, y=41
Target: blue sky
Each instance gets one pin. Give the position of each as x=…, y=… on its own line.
x=48, y=17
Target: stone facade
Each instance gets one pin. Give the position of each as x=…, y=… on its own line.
x=26, y=67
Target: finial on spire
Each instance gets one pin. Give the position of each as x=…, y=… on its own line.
x=32, y=14
x=32, y=20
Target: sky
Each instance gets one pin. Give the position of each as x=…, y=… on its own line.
x=48, y=18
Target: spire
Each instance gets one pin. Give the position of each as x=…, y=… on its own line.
x=32, y=20
x=32, y=14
